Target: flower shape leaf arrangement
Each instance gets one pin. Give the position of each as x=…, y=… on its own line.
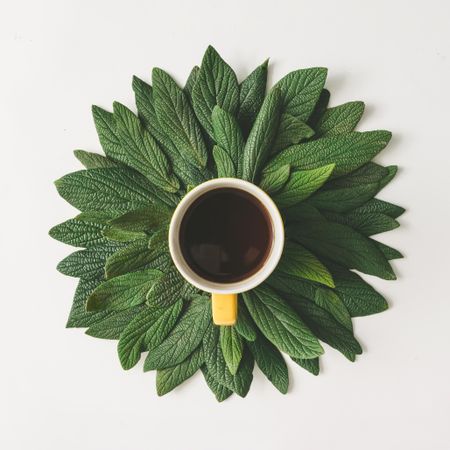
x=306, y=156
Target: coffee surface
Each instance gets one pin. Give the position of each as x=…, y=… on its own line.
x=226, y=235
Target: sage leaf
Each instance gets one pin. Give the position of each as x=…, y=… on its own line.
x=190, y=82
x=251, y=96
x=301, y=90
x=224, y=163
x=232, y=347
x=78, y=316
x=169, y=378
x=115, y=189
x=298, y=261
x=367, y=224
x=184, y=338
x=302, y=184
x=345, y=246
x=112, y=326
x=106, y=127
x=388, y=252
x=169, y=288
x=220, y=392
x=376, y=205
x=311, y=365
x=146, y=331
x=262, y=135
x=326, y=327
x=228, y=136
x=176, y=117
x=216, y=85
x=79, y=233
x=340, y=119
x=319, y=109
x=331, y=302
x=272, y=182
x=290, y=131
x=86, y=264
x=359, y=297
x=140, y=150
x=143, y=219
x=348, y=151
x=93, y=160
x=279, y=323
x=123, y=292
x=217, y=368
x=271, y=362
x=244, y=324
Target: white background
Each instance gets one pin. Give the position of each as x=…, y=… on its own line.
x=62, y=390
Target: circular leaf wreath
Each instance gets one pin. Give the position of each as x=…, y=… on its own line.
x=306, y=156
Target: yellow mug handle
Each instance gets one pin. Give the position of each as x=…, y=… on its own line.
x=224, y=309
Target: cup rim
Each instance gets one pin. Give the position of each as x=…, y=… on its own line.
x=253, y=280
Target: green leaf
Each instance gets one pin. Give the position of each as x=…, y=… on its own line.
x=79, y=233
x=224, y=164
x=228, y=136
x=272, y=182
x=93, y=160
x=118, y=235
x=244, y=324
x=145, y=104
x=319, y=109
x=232, y=348
x=171, y=377
x=331, y=302
x=176, y=117
x=123, y=291
x=367, y=224
x=143, y=219
x=298, y=261
x=348, y=151
x=359, y=297
x=137, y=255
x=290, y=131
x=216, y=85
x=301, y=90
x=271, y=363
x=86, y=264
x=367, y=174
x=379, y=206
x=140, y=150
x=221, y=392
x=341, y=200
x=217, y=368
x=106, y=129
x=112, y=326
x=301, y=184
x=251, y=96
x=262, y=135
x=345, y=246
x=326, y=327
x=184, y=338
x=388, y=252
x=190, y=82
x=340, y=119
x=116, y=189
x=279, y=323
x=146, y=331
x=169, y=288
x=311, y=365
x=79, y=317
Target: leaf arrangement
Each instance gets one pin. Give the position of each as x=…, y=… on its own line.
x=317, y=169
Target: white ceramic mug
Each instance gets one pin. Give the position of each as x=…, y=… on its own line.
x=224, y=295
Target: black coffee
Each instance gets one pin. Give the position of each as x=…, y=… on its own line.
x=226, y=235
